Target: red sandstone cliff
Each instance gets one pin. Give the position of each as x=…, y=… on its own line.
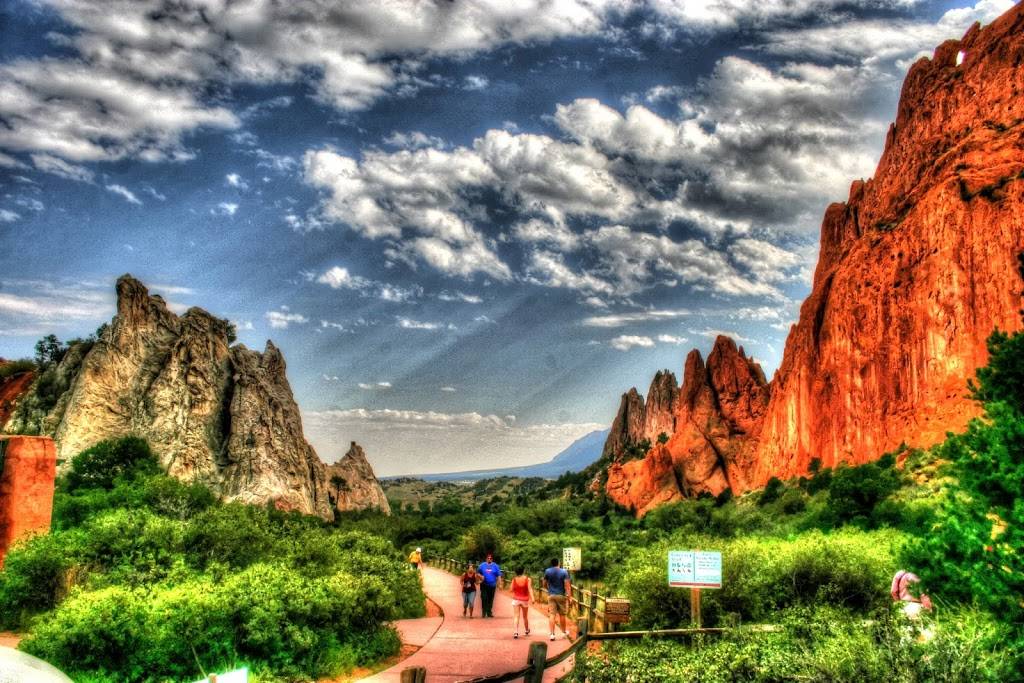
x=915, y=271
x=11, y=389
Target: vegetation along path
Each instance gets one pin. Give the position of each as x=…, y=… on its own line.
x=463, y=648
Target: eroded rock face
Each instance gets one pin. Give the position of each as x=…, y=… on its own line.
x=221, y=415
x=628, y=426
x=915, y=271
x=660, y=407
x=351, y=484
x=716, y=412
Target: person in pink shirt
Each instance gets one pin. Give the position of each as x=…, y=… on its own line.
x=905, y=590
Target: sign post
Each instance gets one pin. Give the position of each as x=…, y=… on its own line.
x=572, y=559
x=694, y=569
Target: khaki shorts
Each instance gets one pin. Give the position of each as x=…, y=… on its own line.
x=556, y=604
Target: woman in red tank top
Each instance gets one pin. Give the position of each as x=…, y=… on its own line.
x=522, y=596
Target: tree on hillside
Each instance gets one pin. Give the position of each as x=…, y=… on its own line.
x=49, y=350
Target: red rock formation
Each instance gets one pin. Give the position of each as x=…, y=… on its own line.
x=28, y=466
x=642, y=485
x=915, y=271
x=11, y=389
x=717, y=410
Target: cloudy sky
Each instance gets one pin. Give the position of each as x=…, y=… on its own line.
x=469, y=225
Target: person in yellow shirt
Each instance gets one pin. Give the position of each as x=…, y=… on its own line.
x=416, y=557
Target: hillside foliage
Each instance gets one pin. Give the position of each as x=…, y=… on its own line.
x=146, y=578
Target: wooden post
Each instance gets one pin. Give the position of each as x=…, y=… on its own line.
x=414, y=674
x=593, y=612
x=538, y=655
x=695, y=607
x=582, y=628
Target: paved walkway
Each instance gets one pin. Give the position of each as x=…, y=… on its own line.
x=459, y=648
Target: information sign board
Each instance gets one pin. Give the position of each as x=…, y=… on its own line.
x=695, y=569
x=572, y=559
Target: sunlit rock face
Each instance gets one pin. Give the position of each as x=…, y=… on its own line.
x=221, y=415
x=716, y=413
x=915, y=271
x=351, y=484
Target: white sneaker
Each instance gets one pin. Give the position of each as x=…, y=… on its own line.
x=552, y=636
x=516, y=634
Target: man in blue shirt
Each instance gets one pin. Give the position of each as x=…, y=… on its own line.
x=556, y=581
x=491, y=574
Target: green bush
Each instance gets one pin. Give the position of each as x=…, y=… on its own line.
x=16, y=367
x=821, y=644
x=973, y=550
x=267, y=615
x=132, y=547
x=855, y=492
x=233, y=534
x=770, y=493
x=103, y=464
x=482, y=540
x=34, y=576
x=763, y=575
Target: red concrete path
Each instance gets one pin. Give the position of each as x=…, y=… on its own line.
x=463, y=648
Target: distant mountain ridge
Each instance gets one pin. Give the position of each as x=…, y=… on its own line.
x=581, y=453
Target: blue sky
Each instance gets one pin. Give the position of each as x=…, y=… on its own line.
x=469, y=226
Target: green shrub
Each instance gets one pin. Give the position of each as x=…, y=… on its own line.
x=34, y=576
x=854, y=492
x=103, y=631
x=16, y=367
x=164, y=581
x=103, y=464
x=482, y=540
x=763, y=575
x=267, y=615
x=233, y=534
x=132, y=547
x=172, y=498
x=771, y=491
x=820, y=644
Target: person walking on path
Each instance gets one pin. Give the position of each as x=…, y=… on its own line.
x=470, y=580
x=522, y=596
x=491, y=575
x=556, y=581
x=416, y=557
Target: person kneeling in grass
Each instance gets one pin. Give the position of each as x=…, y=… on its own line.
x=522, y=596
x=556, y=581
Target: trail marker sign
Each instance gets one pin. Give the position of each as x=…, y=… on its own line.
x=572, y=559
x=694, y=569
